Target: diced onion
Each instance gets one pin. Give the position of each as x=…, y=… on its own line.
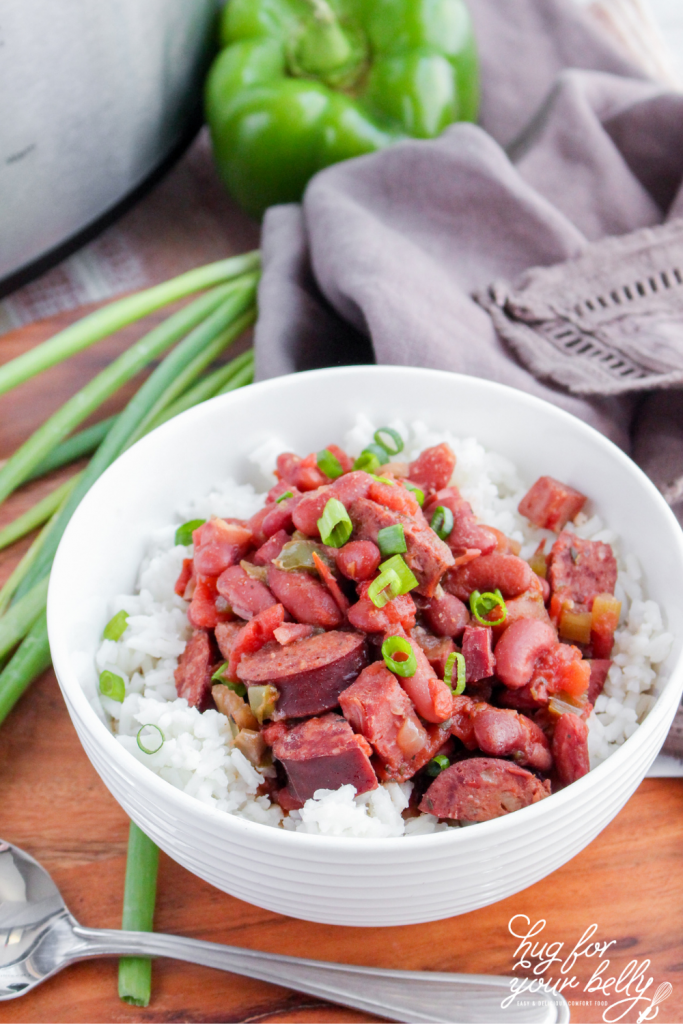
x=404, y=666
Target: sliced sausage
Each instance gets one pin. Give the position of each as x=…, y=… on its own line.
x=599, y=669
x=288, y=632
x=579, y=570
x=551, y=504
x=446, y=615
x=226, y=634
x=467, y=534
x=219, y=544
x=377, y=707
x=480, y=661
x=322, y=753
x=433, y=468
x=507, y=573
x=482, y=788
x=570, y=748
x=305, y=598
x=193, y=674
x=202, y=613
x=309, y=674
x=246, y=596
x=258, y=631
x=519, y=648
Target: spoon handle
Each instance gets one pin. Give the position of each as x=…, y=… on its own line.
x=419, y=996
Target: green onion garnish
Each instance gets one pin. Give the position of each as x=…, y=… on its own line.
x=451, y=660
x=442, y=522
x=437, y=765
x=482, y=604
x=183, y=534
x=329, y=464
x=116, y=627
x=419, y=494
x=406, y=664
x=218, y=677
x=384, y=588
x=283, y=497
x=391, y=540
x=151, y=750
x=395, y=437
x=383, y=480
x=334, y=525
x=367, y=461
x=405, y=576
x=112, y=686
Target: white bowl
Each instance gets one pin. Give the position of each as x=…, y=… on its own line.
x=337, y=880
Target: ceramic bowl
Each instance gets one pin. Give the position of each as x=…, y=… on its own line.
x=338, y=880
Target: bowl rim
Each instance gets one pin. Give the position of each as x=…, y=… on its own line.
x=140, y=775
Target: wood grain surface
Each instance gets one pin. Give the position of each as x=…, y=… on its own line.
x=629, y=881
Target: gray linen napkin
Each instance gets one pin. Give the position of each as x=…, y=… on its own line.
x=383, y=258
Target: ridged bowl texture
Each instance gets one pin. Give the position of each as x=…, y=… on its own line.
x=337, y=880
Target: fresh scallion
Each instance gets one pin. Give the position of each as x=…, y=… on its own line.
x=283, y=497
x=367, y=461
x=460, y=676
x=183, y=534
x=20, y=616
x=379, y=451
x=334, y=525
x=30, y=659
x=114, y=687
x=394, y=436
x=406, y=578
x=437, y=765
x=37, y=515
x=482, y=604
x=78, y=446
x=384, y=588
x=116, y=626
x=399, y=656
x=442, y=522
x=418, y=494
x=329, y=464
x=156, y=740
x=135, y=972
x=391, y=540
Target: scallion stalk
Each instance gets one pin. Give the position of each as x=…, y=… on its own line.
x=30, y=659
x=116, y=315
x=90, y=397
x=210, y=386
x=16, y=622
x=78, y=446
x=36, y=516
x=139, y=897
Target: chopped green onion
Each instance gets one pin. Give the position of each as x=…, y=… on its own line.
x=116, y=627
x=406, y=665
x=391, y=540
x=112, y=686
x=383, y=480
x=395, y=437
x=451, y=660
x=406, y=578
x=437, y=765
x=482, y=604
x=334, y=525
x=367, y=461
x=329, y=464
x=442, y=522
x=379, y=451
x=183, y=534
x=151, y=750
x=419, y=494
x=283, y=497
x=219, y=677
x=384, y=588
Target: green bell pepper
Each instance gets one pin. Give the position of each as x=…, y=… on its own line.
x=301, y=84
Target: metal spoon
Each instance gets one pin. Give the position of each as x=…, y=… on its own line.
x=38, y=936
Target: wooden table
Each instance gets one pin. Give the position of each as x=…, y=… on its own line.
x=629, y=881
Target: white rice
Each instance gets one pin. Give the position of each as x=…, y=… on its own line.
x=198, y=756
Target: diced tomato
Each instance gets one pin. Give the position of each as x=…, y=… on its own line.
x=604, y=621
x=288, y=632
x=184, y=578
x=575, y=677
x=395, y=497
x=365, y=616
x=218, y=545
x=330, y=582
x=202, y=612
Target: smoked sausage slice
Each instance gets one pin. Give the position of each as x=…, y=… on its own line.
x=482, y=788
x=193, y=674
x=309, y=674
x=570, y=748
